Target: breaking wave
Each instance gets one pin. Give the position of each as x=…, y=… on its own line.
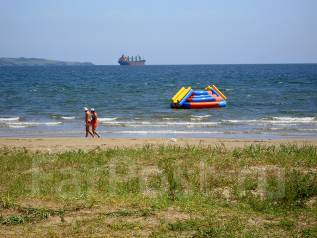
x=68, y=118
x=31, y=124
x=166, y=132
x=275, y=120
x=105, y=119
x=4, y=119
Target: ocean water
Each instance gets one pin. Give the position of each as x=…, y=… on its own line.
x=264, y=101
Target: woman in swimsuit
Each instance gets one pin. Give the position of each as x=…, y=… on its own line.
x=87, y=122
x=94, y=121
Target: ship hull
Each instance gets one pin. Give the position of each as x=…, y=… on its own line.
x=132, y=63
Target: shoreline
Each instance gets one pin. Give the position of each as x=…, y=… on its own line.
x=68, y=144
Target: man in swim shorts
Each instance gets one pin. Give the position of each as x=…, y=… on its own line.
x=88, y=122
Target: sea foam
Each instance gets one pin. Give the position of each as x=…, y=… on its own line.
x=68, y=118
x=30, y=124
x=275, y=120
x=9, y=119
x=107, y=119
x=166, y=132
x=294, y=119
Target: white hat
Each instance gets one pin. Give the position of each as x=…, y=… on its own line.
x=85, y=109
x=92, y=109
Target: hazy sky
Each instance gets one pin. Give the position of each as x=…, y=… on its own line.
x=164, y=31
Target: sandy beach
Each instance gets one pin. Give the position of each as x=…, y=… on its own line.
x=66, y=144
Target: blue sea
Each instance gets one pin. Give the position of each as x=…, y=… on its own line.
x=264, y=101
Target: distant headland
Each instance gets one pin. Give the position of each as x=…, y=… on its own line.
x=39, y=62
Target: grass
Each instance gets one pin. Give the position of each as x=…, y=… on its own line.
x=25, y=214
x=160, y=191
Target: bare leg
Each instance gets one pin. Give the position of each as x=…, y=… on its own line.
x=95, y=133
x=88, y=131
x=91, y=134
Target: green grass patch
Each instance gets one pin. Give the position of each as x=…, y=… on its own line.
x=166, y=190
x=26, y=214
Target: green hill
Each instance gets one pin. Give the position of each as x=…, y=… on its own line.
x=38, y=62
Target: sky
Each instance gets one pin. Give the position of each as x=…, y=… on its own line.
x=163, y=31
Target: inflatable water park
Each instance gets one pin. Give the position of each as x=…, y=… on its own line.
x=187, y=98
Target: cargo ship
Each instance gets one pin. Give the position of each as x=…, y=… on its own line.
x=131, y=60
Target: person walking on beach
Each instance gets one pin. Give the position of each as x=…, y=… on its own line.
x=94, y=122
x=88, y=122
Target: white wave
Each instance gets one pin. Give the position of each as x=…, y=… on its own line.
x=286, y=124
x=26, y=124
x=107, y=119
x=275, y=120
x=117, y=122
x=167, y=132
x=290, y=120
x=294, y=119
x=311, y=129
x=169, y=118
x=68, y=118
x=193, y=123
x=9, y=118
x=156, y=123
x=17, y=126
x=196, y=119
x=200, y=116
x=275, y=129
x=240, y=121
x=289, y=123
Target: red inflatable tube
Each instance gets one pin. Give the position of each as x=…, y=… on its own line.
x=203, y=105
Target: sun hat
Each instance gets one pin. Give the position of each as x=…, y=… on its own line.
x=92, y=109
x=85, y=109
